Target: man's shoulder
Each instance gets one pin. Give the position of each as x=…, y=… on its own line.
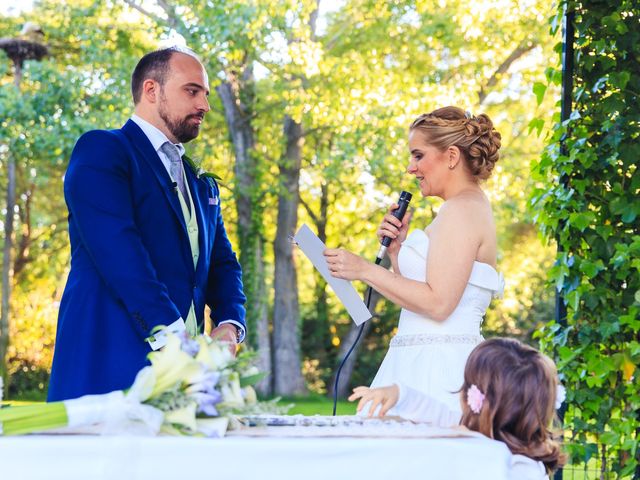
x=94, y=145
x=100, y=136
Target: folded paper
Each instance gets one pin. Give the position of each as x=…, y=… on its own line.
x=313, y=247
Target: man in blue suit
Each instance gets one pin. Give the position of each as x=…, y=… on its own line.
x=148, y=244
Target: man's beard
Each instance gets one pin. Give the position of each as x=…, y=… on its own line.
x=182, y=129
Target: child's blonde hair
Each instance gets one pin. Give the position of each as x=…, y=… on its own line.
x=519, y=386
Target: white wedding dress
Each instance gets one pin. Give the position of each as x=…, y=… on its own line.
x=428, y=355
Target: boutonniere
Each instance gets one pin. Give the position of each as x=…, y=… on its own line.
x=199, y=171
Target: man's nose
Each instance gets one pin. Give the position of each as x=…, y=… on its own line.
x=203, y=105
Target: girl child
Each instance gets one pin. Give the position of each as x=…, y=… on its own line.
x=510, y=393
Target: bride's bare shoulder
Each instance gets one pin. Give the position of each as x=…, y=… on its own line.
x=467, y=205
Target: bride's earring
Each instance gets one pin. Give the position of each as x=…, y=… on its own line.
x=451, y=167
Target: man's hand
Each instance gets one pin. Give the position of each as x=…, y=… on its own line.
x=227, y=333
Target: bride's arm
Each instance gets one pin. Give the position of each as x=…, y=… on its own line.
x=453, y=246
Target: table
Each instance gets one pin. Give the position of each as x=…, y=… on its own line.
x=91, y=457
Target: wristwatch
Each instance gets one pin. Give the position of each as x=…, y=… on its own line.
x=238, y=333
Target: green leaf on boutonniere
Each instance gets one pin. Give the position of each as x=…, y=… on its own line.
x=199, y=171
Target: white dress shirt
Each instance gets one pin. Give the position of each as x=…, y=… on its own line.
x=157, y=139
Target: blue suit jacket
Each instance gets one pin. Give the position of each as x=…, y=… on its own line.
x=131, y=264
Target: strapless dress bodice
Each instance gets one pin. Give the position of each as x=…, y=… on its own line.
x=484, y=282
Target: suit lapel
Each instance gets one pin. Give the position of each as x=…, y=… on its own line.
x=140, y=141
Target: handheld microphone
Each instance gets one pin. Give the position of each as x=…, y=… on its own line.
x=403, y=204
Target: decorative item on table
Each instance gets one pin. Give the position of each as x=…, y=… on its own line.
x=194, y=386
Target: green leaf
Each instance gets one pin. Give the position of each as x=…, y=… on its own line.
x=536, y=124
x=539, y=90
x=629, y=216
x=610, y=438
x=608, y=329
x=581, y=220
x=590, y=268
x=252, y=379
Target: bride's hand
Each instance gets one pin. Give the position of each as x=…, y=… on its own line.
x=385, y=397
x=395, y=229
x=344, y=264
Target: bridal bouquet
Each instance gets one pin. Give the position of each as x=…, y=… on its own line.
x=192, y=387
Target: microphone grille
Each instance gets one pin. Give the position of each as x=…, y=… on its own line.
x=405, y=196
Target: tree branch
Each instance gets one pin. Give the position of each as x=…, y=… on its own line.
x=518, y=52
x=172, y=20
x=311, y=213
x=145, y=12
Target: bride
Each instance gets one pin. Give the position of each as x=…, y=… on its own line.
x=443, y=276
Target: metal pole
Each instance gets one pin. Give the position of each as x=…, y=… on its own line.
x=565, y=112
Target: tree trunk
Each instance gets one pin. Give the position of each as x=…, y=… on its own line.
x=23, y=245
x=247, y=172
x=6, y=266
x=316, y=336
x=321, y=225
x=288, y=379
x=347, y=342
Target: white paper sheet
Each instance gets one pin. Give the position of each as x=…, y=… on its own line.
x=313, y=247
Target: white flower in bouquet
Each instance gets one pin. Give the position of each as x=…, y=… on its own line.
x=250, y=395
x=215, y=355
x=231, y=391
x=172, y=365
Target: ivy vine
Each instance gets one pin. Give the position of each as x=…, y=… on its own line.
x=588, y=201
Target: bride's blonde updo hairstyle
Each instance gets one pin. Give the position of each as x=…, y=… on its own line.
x=474, y=135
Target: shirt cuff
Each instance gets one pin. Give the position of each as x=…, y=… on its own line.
x=159, y=339
x=241, y=331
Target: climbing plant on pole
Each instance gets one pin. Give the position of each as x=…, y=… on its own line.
x=588, y=201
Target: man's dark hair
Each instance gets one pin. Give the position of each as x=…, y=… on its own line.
x=154, y=65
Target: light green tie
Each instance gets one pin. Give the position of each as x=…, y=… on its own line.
x=188, y=211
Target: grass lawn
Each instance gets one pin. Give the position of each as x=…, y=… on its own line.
x=312, y=405
x=317, y=405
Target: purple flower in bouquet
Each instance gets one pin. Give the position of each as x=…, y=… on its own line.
x=188, y=344
x=207, y=402
x=203, y=391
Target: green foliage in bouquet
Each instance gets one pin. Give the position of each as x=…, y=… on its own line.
x=587, y=200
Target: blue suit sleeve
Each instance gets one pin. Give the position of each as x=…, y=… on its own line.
x=98, y=194
x=224, y=284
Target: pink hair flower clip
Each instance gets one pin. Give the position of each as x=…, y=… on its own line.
x=475, y=398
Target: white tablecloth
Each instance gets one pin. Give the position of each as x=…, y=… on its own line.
x=84, y=457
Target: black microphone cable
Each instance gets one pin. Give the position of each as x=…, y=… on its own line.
x=403, y=204
x=344, y=360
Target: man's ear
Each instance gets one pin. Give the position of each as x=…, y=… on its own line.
x=151, y=90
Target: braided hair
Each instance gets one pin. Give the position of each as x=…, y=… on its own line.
x=474, y=135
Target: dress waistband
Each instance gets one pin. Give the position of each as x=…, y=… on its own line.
x=431, y=339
